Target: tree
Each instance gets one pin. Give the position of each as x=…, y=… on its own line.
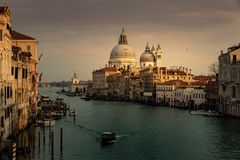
x=213, y=68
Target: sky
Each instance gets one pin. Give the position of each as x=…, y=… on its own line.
x=78, y=35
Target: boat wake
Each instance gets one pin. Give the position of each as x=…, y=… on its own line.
x=94, y=133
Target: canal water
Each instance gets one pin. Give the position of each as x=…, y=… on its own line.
x=145, y=132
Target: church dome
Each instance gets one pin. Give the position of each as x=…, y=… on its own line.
x=147, y=56
x=122, y=55
x=122, y=51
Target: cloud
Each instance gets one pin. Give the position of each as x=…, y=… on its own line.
x=86, y=30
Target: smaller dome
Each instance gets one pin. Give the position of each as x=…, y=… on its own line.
x=147, y=57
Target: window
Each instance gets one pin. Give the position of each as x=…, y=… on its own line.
x=2, y=121
x=233, y=91
x=224, y=88
x=26, y=73
x=23, y=73
x=5, y=92
x=0, y=35
x=239, y=74
x=11, y=94
x=234, y=59
x=12, y=71
x=16, y=72
x=8, y=92
x=28, y=48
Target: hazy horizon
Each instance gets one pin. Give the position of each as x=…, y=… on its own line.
x=79, y=35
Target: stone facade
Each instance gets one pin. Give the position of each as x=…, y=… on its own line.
x=18, y=77
x=99, y=81
x=178, y=93
x=229, y=81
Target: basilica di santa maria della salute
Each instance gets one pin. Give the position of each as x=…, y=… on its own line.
x=124, y=78
x=124, y=57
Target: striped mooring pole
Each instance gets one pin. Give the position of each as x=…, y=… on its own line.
x=14, y=150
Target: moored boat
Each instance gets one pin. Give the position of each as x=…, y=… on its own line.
x=48, y=122
x=72, y=113
x=70, y=94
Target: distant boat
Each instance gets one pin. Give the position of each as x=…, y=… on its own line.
x=72, y=113
x=86, y=97
x=83, y=97
x=199, y=112
x=70, y=94
x=214, y=114
x=45, y=98
x=108, y=138
x=206, y=113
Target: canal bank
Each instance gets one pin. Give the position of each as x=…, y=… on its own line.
x=146, y=133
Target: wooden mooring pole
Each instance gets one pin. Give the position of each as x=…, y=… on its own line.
x=14, y=151
x=61, y=140
x=74, y=116
x=39, y=140
x=43, y=136
x=52, y=144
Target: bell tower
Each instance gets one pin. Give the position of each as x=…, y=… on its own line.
x=158, y=57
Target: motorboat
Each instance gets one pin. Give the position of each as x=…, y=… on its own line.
x=108, y=138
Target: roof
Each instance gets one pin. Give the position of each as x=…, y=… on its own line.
x=106, y=69
x=19, y=36
x=204, y=78
x=174, y=82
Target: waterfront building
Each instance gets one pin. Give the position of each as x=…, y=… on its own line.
x=190, y=96
x=78, y=86
x=178, y=93
x=135, y=86
x=28, y=45
x=129, y=81
x=18, y=77
x=20, y=71
x=212, y=94
x=7, y=94
x=122, y=55
x=165, y=92
x=99, y=81
x=113, y=87
x=151, y=76
x=229, y=78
